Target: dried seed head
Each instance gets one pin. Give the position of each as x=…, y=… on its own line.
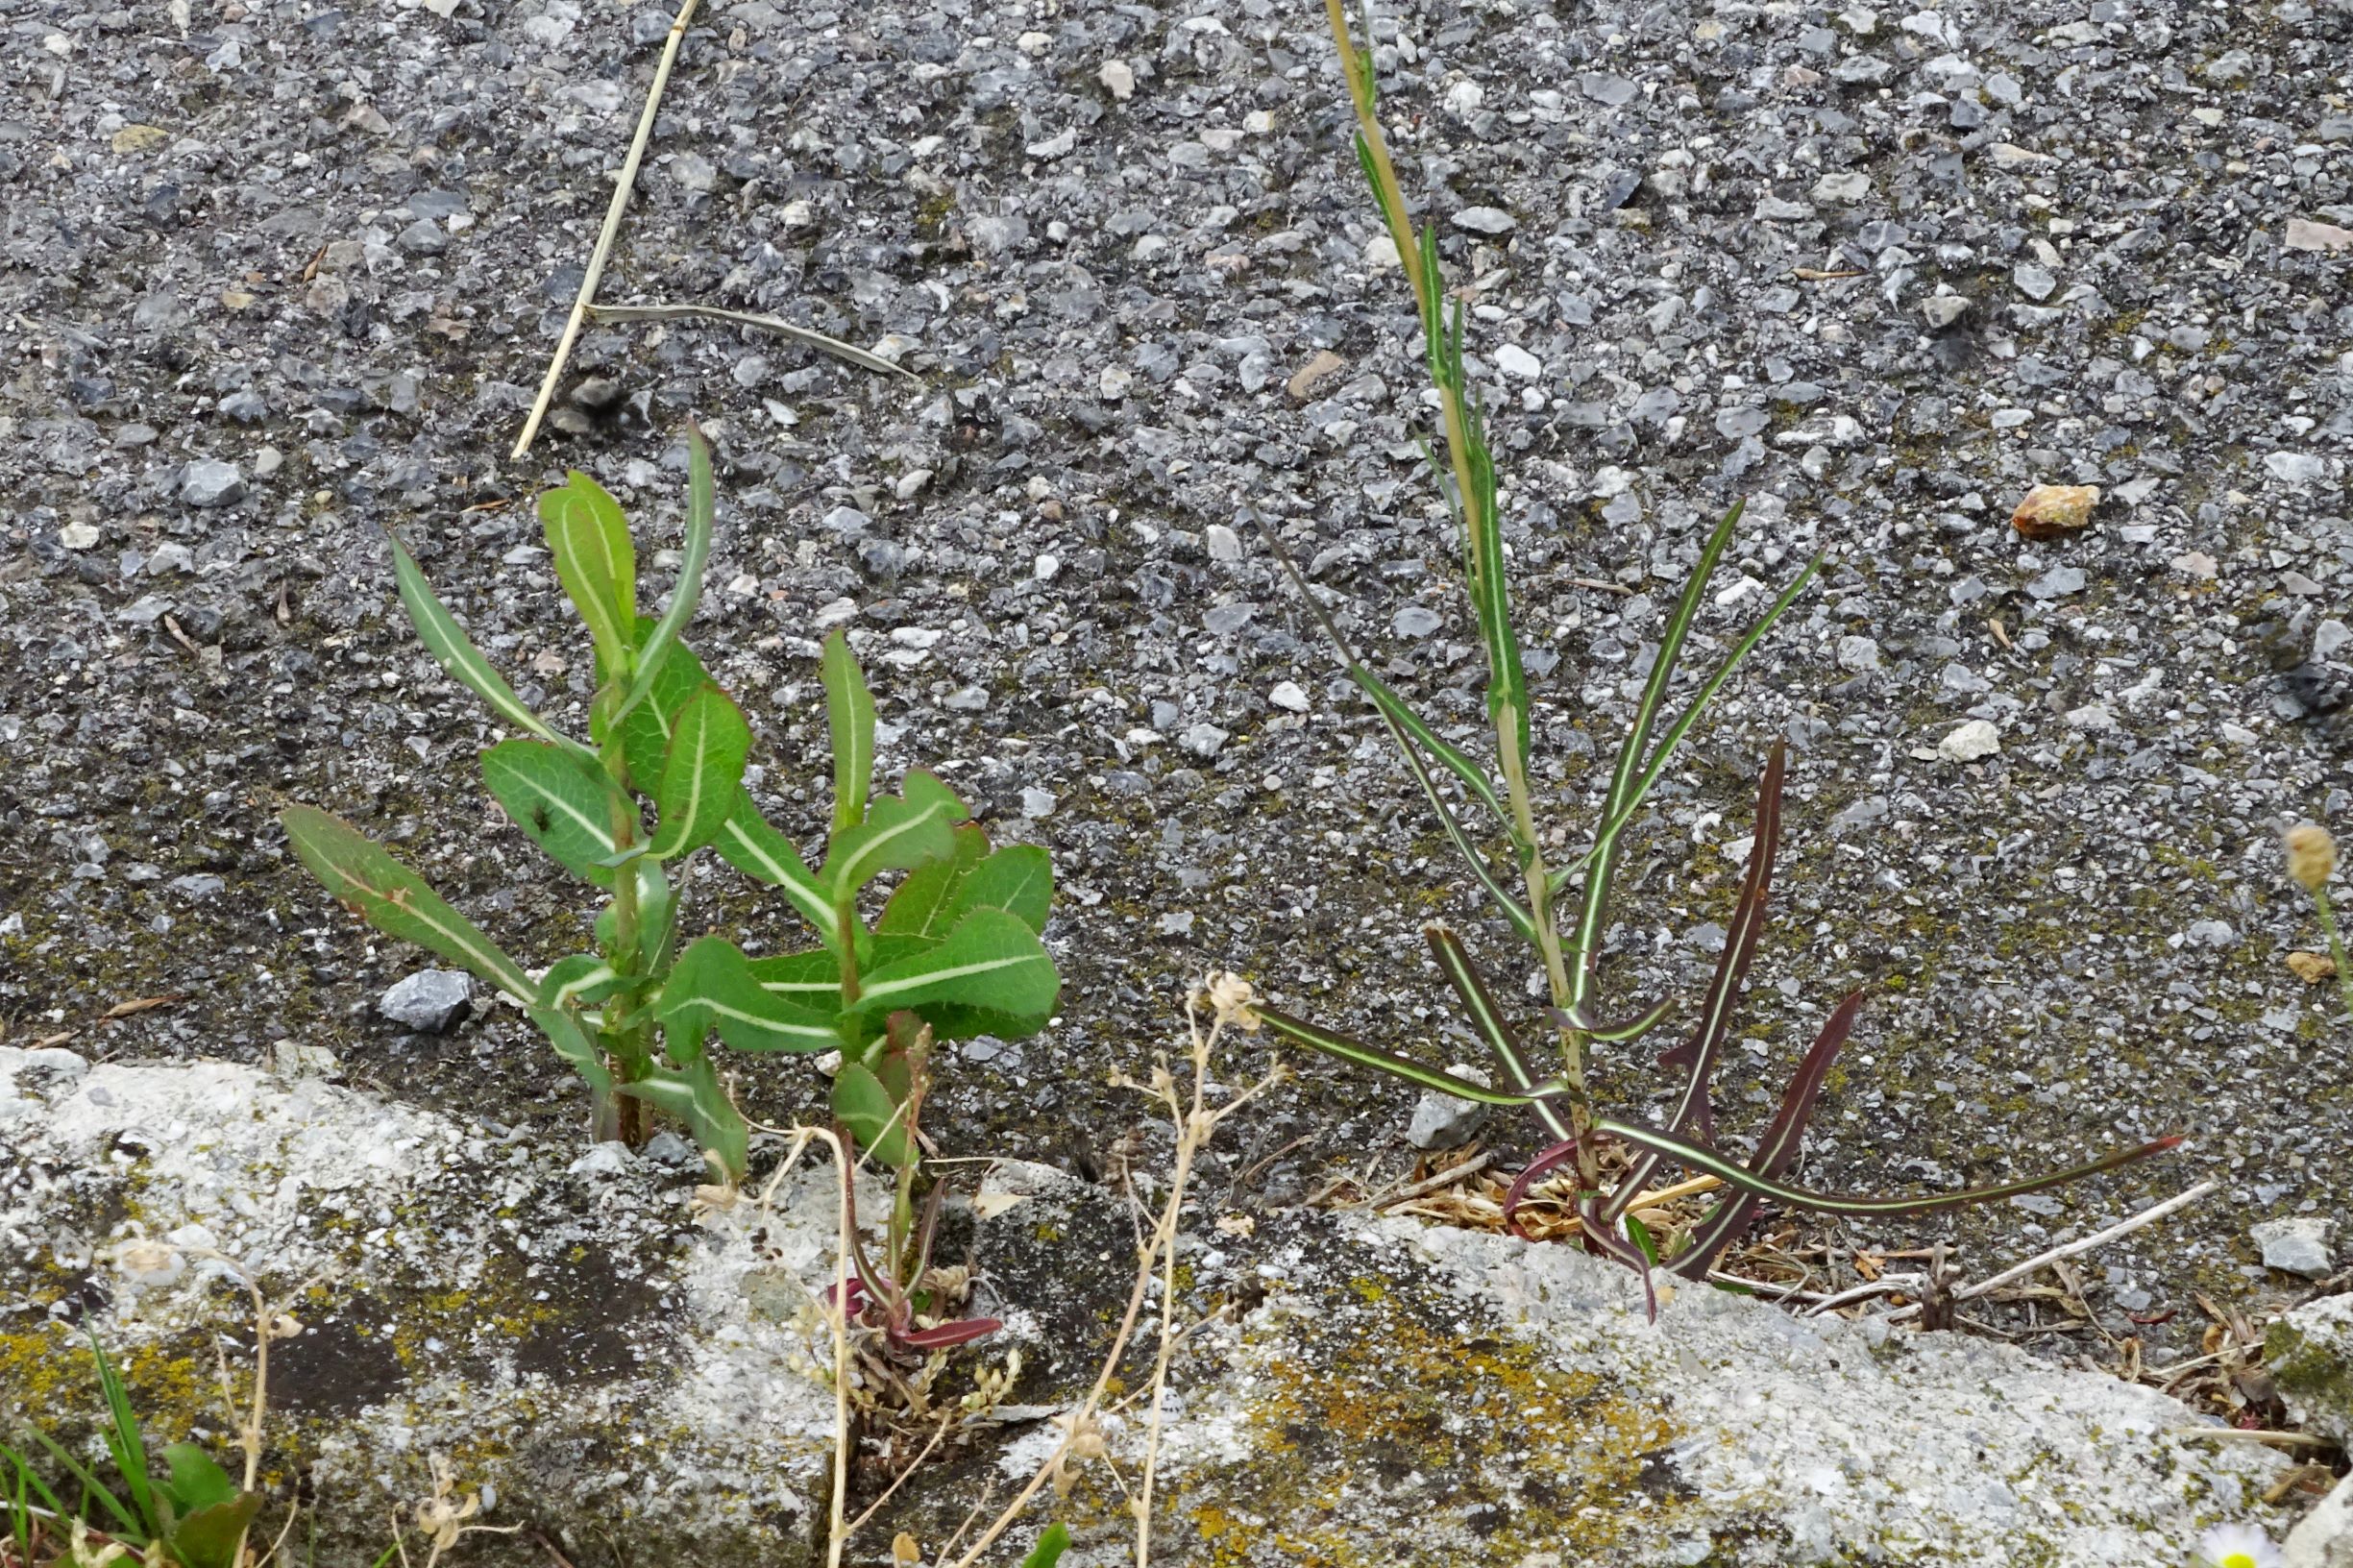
x=1231, y=995
x=2311, y=856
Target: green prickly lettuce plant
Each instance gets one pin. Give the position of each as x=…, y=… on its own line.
x=953, y=953
x=1561, y=911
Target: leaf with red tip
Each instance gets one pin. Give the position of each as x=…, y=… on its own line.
x=1777, y=1150
x=1699, y=1053
x=946, y=1336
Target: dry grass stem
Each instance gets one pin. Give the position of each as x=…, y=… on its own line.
x=622, y=186
x=2071, y=1249
x=782, y=327
x=1228, y=998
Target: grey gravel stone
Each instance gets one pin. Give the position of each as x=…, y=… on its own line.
x=431, y=1001
x=1443, y=1121
x=211, y=482
x=1485, y=220
x=2298, y=1246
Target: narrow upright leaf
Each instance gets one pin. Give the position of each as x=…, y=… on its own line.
x=589, y=541
x=1051, y=1545
x=713, y=986
x=654, y=650
x=1487, y=1018
x=850, y=715
x=703, y=773
x=393, y=899
x=438, y=631
x=563, y=801
x=902, y=831
x=991, y=960
x=645, y=728
x=1456, y=761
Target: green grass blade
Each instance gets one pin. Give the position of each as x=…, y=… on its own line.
x=1301, y=1032
x=1615, y=823
x=1512, y=909
x=438, y=631
x=1638, y=743
x=702, y=508
x=127, y=1524
x=1455, y=761
x=1701, y=1156
x=124, y=1440
x=1478, y=1003
x=1491, y=590
x=1510, y=906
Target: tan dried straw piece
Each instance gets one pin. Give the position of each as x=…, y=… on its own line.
x=621, y=187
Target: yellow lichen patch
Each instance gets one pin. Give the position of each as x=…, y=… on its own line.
x=1391, y=1432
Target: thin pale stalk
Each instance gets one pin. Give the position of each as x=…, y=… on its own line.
x=621, y=188
x=2336, y=943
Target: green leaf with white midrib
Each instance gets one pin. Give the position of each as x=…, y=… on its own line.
x=703, y=773
x=589, y=541
x=714, y=984
x=901, y=832
x=571, y=1040
x=924, y=904
x=873, y=1116
x=1605, y=836
x=849, y=717
x=562, y=801
x=691, y=1091
x=1456, y=760
x=1018, y=879
x=811, y=979
x=702, y=508
x=359, y=872
x=438, y=631
x=748, y=844
x=991, y=960
x=644, y=729
x=583, y=979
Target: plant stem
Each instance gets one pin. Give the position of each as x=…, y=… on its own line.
x=626, y=1115
x=1470, y=497
x=2336, y=943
